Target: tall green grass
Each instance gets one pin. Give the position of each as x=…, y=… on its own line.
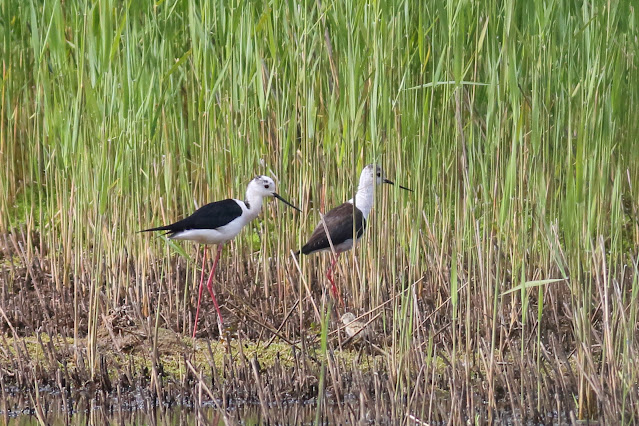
x=514, y=123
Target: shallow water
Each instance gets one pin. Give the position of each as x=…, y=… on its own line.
x=246, y=415
x=18, y=410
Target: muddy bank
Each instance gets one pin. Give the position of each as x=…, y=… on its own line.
x=45, y=376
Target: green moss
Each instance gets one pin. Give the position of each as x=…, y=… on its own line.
x=172, y=351
x=24, y=206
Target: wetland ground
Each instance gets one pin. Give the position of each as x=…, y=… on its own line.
x=504, y=289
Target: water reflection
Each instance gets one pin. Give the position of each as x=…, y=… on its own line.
x=19, y=409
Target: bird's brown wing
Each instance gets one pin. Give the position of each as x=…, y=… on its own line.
x=339, y=222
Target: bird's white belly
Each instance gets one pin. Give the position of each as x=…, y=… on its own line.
x=212, y=236
x=339, y=248
x=343, y=246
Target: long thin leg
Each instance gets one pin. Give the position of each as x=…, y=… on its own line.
x=329, y=275
x=209, y=285
x=199, y=296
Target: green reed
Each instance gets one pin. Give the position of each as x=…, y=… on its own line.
x=514, y=124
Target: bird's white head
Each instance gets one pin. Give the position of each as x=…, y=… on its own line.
x=263, y=186
x=372, y=173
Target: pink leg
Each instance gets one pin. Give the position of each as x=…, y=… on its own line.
x=329, y=275
x=199, y=296
x=209, y=285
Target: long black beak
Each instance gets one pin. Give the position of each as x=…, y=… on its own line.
x=393, y=183
x=276, y=195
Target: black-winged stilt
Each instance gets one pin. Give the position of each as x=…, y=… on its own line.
x=346, y=220
x=219, y=222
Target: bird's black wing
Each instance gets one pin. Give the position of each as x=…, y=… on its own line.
x=210, y=216
x=339, y=222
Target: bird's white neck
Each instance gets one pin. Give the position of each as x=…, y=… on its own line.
x=364, y=198
x=254, y=205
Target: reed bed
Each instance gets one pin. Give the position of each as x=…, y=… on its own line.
x=504, y=287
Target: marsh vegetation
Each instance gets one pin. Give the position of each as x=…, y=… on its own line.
x=504, y=287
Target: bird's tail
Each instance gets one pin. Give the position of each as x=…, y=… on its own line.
x=159, y=228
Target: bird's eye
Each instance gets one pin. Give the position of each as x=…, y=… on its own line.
x=266, y=186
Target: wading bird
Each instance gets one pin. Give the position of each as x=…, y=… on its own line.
x=219, y=222
x=352, y=326
x=346, y=223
